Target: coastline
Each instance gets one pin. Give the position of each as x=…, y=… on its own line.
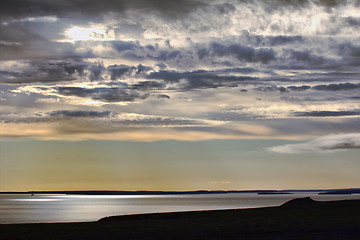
x=301, y=218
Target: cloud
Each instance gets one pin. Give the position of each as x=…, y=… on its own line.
x=90, y=8
x=229, y=61
x=336, y=87
x=327, y=143
x=122, y=46
x=44, y=71
x=163, y=96
x=271, y=89
x=103, y=119
x=306, y=57
x=149, y=85
x=200, y=79
x=327, y=113
x=242, y=53
x=103, y=93
x=300, y=88
x=68, y=113
x=284, y=40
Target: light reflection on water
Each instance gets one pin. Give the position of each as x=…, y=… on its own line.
x=76, y=208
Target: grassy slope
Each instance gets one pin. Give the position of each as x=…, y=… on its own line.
x=330, y=220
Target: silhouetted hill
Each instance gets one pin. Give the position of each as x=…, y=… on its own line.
x=300, y=202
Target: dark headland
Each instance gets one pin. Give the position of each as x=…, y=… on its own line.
x=301, y=218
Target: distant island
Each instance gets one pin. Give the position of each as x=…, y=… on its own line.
x=105, y=192
x=301, y=218
x=342, y=191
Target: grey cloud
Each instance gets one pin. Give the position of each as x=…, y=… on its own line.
x=301, y=88
x=103, y=121
x=350, y=53
x=121, y=71
x=41, y=50
x=352, y=21
x=282, y=40
x=242, y=53
x=200, y=79
x=279, y=40
x=103, y=94
x=91, y=8
x=45, y=71
x=327, y=143
x=337, y=87
x=152, y=54
x=71, y=113
x=118, y=71
x=54, y=116
x=96, y=71
x=163, y=96
x=225, y=8
x=307, y=57
x=271, y=89
x=165, y=55
x=122, y=46
x=326, y=113
x=148, y=85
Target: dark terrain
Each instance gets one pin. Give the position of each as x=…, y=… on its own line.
x=297, y=219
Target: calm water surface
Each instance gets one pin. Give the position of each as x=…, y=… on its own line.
x=79, y=208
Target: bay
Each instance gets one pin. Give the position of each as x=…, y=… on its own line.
x=24, y=208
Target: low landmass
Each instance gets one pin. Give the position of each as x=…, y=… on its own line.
x=104, y=192
x=269, y=192
x=301, y=218
x=342, y=191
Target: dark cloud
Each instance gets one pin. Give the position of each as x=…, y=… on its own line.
x=271, y=89
x=350, y=53
x=118, y=71
x=35, y=50
x=301, y=88
x=282, y=40
x=327, y=113
x=165, y=55
x=352, y=21
x=122, y=46
x=337, y=87
x=242, y=53
x=169, y=8
x=148, y=85
x=91, y=8
x=225, y=8
x=163, y=96
x=96, y=71
x=306, y=57
x=103, y=94
x=71, y=113
x=45, y=71
x=200, y=79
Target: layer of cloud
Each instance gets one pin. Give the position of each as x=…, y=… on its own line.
x=327, y=143
x=327, y=113
x=289, y=67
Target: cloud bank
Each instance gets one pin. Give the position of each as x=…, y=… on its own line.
x=325, y=144
x=248, y=69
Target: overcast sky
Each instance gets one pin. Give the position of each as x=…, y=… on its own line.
x=179, y=95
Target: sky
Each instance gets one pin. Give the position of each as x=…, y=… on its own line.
x=179, y=95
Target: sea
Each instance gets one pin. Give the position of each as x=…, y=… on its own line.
x=51, y=208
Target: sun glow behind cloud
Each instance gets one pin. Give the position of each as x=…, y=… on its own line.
x=96, y=33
